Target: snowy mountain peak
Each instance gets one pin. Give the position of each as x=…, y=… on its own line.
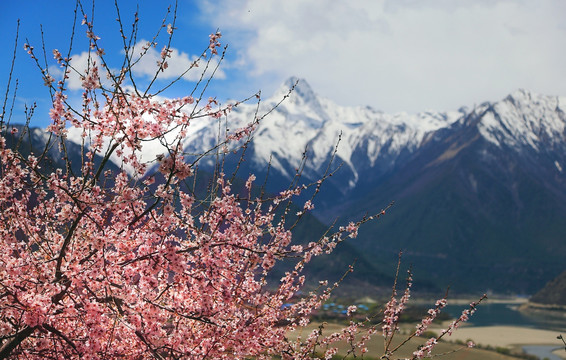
x=301, y=94
x=524, y=119
x=368, y=137
x=520, y=95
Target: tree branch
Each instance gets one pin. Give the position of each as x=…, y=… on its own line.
x=7, y=348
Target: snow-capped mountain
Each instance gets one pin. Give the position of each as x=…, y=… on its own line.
x=369, y=139
x=524, y=119
x=482, y=201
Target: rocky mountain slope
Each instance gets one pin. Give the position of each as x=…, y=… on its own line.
x=553, y=293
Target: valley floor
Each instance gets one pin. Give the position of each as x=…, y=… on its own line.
x=512, y=337
x=509, y=337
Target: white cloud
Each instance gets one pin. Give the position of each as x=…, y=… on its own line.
x=147, y=66
x=177, y=63
x=399, y=54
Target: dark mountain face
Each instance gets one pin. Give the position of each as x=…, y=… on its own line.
x=472, y=214
x=50, y=152
x=553, y=293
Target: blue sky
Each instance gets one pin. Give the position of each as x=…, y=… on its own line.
x=394, y=55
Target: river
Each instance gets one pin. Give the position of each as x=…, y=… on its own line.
x=507, y=314
x=491, y=313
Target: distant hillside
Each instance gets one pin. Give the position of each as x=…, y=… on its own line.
x=51, y=155
x=554, y=293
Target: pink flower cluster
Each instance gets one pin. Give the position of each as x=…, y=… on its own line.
x=432, y=314
x=214, y=42
x=426, y=349
x=91, y=80
x=394, y=308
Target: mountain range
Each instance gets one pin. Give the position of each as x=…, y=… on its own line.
x=479, y=193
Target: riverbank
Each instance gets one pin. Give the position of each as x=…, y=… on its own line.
x=493, y=299
x=512, y=337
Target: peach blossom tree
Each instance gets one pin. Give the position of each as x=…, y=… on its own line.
x=104, y=263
